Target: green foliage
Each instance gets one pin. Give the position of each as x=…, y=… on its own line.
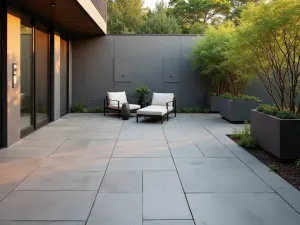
x=209, y=55
x=248, y=142
x=237, y=7
x=93, y=110
x=124, y=16
x=244, y=136
x=197, y=28
x=159, y=22
x=77, y=107
x=268, y=109
x=193, y=110
x=268, y=38
x=285, y=114
x=273, y=111
x=241, y=97
x=273, y=167
x=143, y=90
x=193, y=11
x=297, y=163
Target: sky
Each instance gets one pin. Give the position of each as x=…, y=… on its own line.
x=151, y=3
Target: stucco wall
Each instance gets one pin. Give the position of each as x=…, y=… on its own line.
x=13, y=94
x=124, y=62
x=57, y=75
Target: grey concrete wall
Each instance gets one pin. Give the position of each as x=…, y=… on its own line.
x=125, y=62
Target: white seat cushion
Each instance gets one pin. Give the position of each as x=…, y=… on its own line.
x=154, y=110
x=131, y=106
x=119, y=96
x=162, y=99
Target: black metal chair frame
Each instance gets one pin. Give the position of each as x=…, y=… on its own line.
x=118, y=110
x=161, y=117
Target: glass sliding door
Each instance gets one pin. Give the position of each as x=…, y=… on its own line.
x=64, y=81
x=42, y=76
x=26, y=76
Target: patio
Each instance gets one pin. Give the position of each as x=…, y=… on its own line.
x=96, y=170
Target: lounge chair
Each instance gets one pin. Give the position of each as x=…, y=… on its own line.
x=162, y=105
x=114, y=101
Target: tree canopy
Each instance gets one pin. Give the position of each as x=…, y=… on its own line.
x=159, y=22
x=125, y=16
x=209, y=55
x=270, y=35
x=198, y=11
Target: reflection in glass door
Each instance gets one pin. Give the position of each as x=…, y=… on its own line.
x=26, y=76
x=64, y=77
x=42, y=77
x=35, y=77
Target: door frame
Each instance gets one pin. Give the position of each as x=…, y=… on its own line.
x=35, y=126
x=28, y=130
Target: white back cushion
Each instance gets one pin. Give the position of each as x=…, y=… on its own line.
x=162, y=98
x=119, y=96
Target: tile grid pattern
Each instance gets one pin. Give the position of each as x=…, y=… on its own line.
x=90, y=169
x=180, y=180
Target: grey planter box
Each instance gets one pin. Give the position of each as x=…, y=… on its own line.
x=280, y=137
x=236, y=110
x=214, y=103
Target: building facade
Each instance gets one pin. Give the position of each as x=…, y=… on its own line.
x=36, y=59
x=56, y=52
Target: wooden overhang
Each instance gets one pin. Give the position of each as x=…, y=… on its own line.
x=76, y=17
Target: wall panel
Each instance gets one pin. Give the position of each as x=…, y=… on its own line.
x=125, y=62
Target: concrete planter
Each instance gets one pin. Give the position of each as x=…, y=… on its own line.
x=280, y=137
x=214, y=103
x=236, y=110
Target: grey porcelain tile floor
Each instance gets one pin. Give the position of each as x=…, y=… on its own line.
x=87, y=169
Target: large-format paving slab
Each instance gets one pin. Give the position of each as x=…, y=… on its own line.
x=245, y=208
x=115, y=209
x=87, y=169
x=47, y=205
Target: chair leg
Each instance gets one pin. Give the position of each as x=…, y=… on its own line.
x=137, y=118
x=167, y=116
x=104, y=111
x=161, y=121
x=175, y=113
x=119, y=114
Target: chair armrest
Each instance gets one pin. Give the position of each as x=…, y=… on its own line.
x=167, y=104
x=109, y=100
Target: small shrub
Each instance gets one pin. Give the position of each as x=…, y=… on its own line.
x=297, y=162
x=246, y=140
x=273, y=111
x=194, y=110
x=143, y=90
x=93, y=110
x=286, y=115
x=77, y=107
x=205, y=110
x=267, y=109
x=273, y=167
x=242, y=97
